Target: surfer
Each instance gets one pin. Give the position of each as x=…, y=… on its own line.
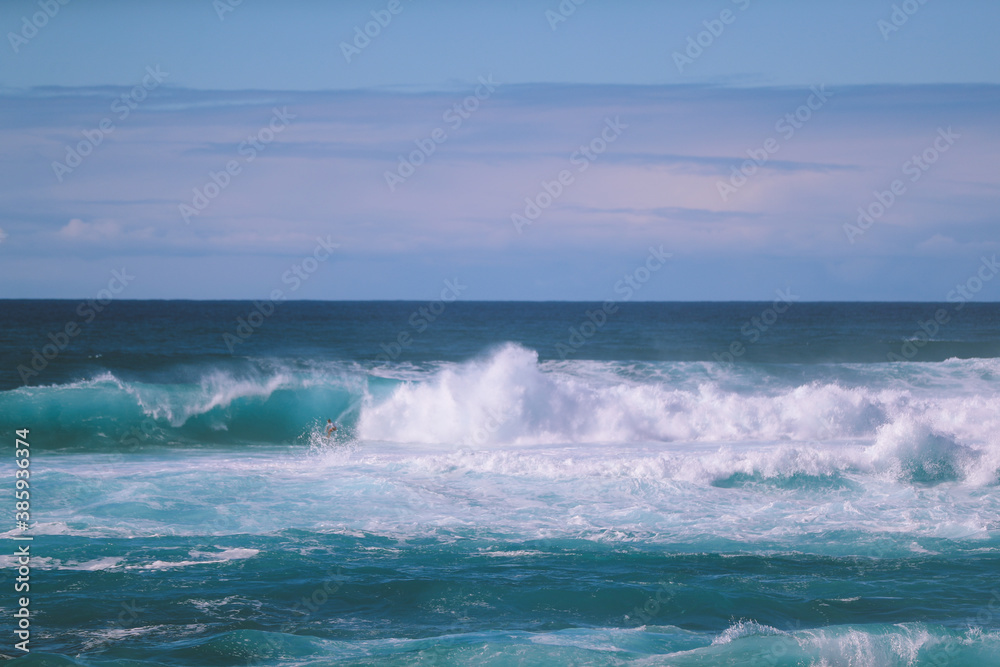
x=330, y=427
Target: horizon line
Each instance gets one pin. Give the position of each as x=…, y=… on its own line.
x=471, y=301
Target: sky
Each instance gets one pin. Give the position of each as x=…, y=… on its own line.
x=530, y=150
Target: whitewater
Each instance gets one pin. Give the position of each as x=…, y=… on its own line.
x=487, y=502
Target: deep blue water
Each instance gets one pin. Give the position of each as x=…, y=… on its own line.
x=511, y=483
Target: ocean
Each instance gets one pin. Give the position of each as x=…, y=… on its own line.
x=775, y=483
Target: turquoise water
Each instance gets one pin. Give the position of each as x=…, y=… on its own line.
x=489, y=502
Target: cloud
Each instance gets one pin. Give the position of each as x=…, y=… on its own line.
x=658, y=182
x=945, y=246
x=78, y=230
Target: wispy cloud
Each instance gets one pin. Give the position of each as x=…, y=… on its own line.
x=326, y=172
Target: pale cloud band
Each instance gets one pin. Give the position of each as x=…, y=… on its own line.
x=658, y=183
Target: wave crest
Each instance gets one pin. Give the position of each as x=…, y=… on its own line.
x=725, y=424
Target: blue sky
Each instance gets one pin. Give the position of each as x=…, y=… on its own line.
x=823, y=106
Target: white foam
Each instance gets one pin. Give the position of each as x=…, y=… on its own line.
x=217, y=390
x=211, y=606
x=511, y=447
x=106, y=563
x=509, y=398
x=221, y=557
x=900, y=644
x=46, y=563
x=745, y=628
